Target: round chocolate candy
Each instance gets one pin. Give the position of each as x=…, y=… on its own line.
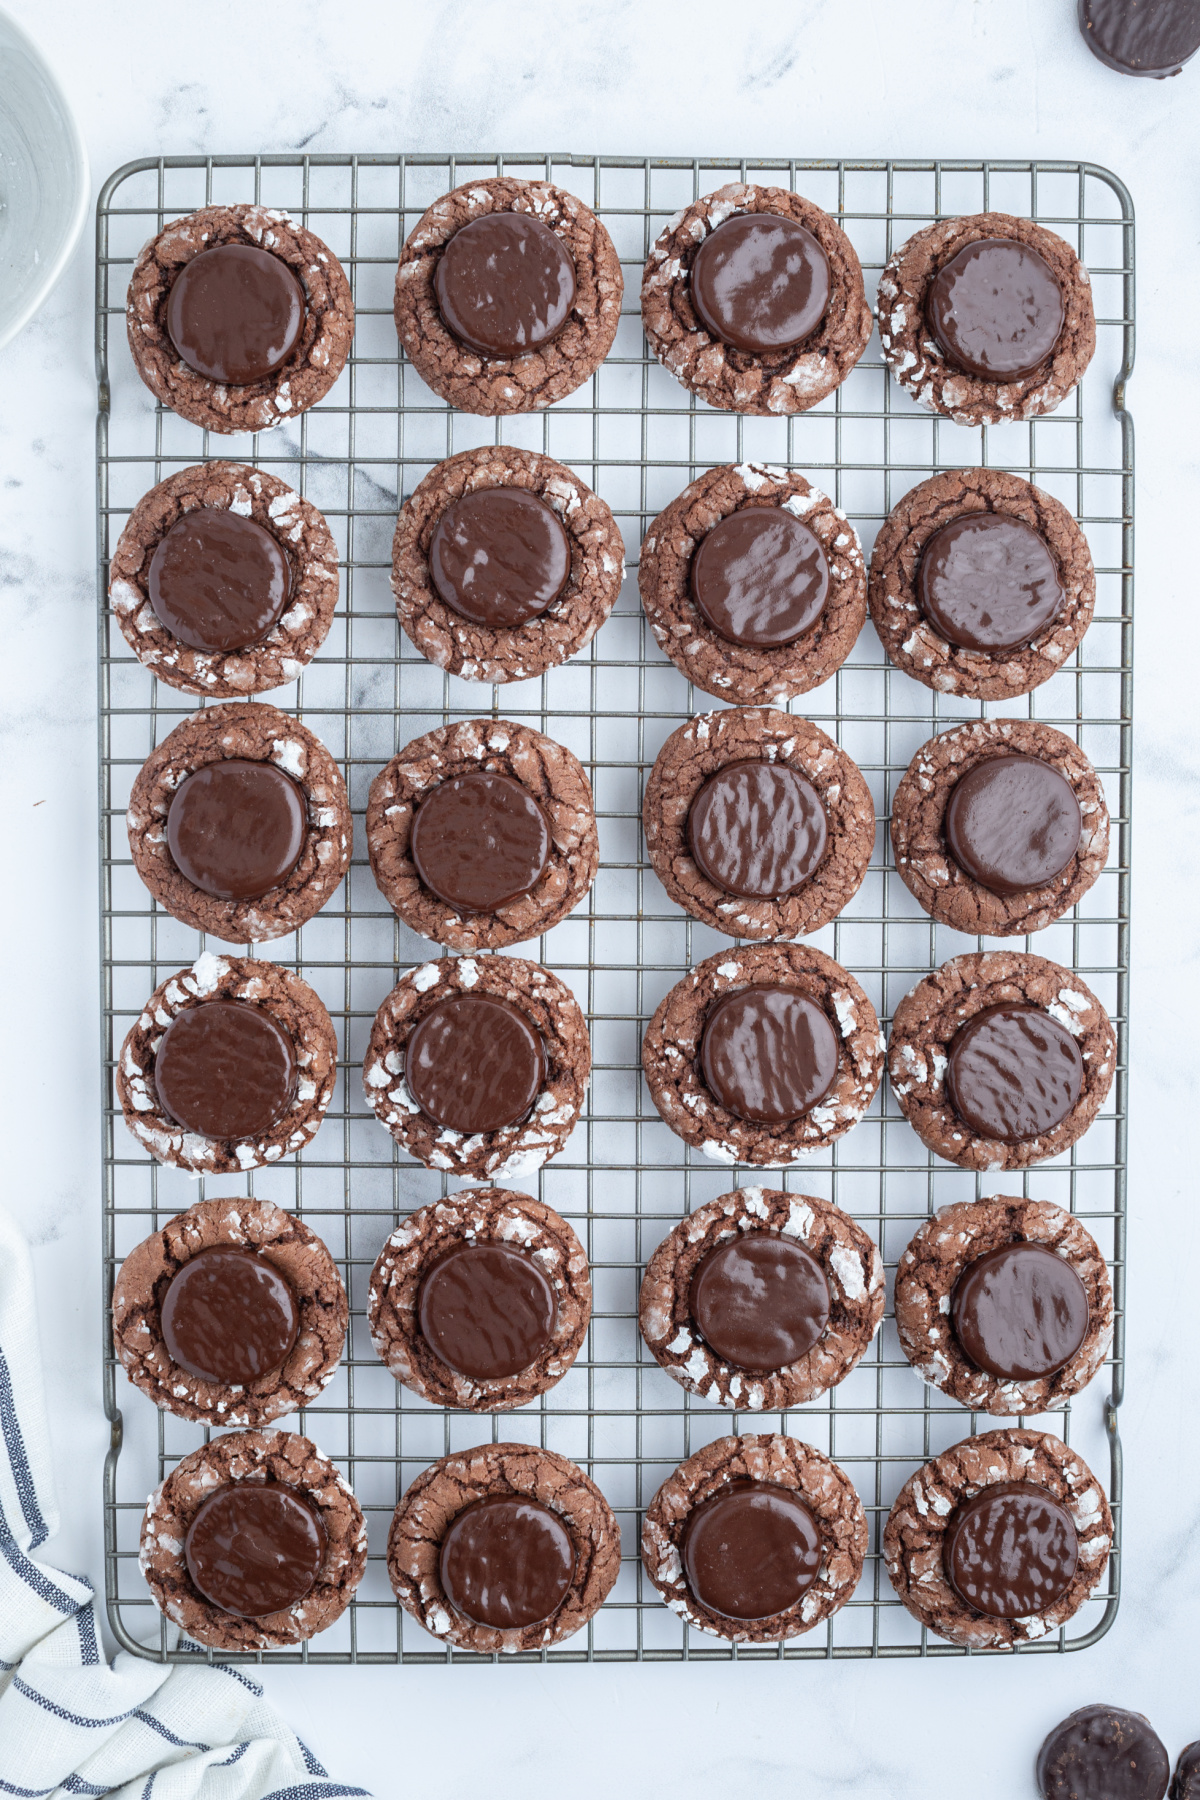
x=499, y=557
x=768, y=1054
x=1011, y=1551
x=1186, y=1785
x=1104, y=1753
x=218, y=581
x=255, y=1548
x=1014, y=1073
x=479, y=841
x=1147, y=37
x=757, y=829
x=760, y=577
x=475, y=1064
x=760, y=1301
x=507, y=1562
x=235, y=313
x=751, y=1550
x=229, y=1316
x=996, y=309
x=235, y=829
x=487, y=1310
x=760, y=282
x=1019, y=1312
x=988, y=582
x=505, y=284
x=225, y=1069
x=1013, y=823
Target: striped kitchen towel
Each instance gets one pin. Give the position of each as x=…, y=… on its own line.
x=70, y=1722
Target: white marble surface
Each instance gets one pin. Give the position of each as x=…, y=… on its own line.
x=816, y=77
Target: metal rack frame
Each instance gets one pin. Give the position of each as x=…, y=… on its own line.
x=638, y=437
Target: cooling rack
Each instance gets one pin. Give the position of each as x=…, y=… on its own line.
x=637, y=437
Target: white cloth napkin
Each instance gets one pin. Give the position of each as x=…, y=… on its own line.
x=71, y=1723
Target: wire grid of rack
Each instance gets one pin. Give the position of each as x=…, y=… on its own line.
x=637, y=437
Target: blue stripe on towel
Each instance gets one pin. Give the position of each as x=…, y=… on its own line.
x=22, y=1474
x=311, y=1790
x=89, y=1649
x=32, y=1575
x=145, y=1718
x=310, y=1761
x=60, y=1712
x=229, y=1761
x=236, y=1675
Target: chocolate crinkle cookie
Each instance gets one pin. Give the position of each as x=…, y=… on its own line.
x=231, y=1088
x=480, y=1301
x=1017, y=607
x=240, y=824
x=785, y=1071
x=508, y=295
x=503, y=1548
x=752, y=315
x=283, y=611
x=552, y=604
x=757, y=823
x=1000, y=1059
x=779, y=637
x=1106, y=1753
x=751, y=1522
x=986, y=318
x=1013, y=848
x=243, y=1288
x=749, y=1254
x=507, y=832
x=282, y=1520
x=1000, y=1540
x=1004, y=1304
x=244, y=340
x=479, y=1067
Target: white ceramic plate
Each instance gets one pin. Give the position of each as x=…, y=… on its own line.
x=43, y=180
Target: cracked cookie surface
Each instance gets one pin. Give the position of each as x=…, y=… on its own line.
x=707, y=743
x=311, y=369
x=777, y=382
x=278, y=1238
x=917, y=360
x=514, y=1150
x=670, y=1054
x=549, y=771
x=506, y=652
x=526, y=1472
x=256, y=733
x=477, y=1216
x=852, y=1266
x=301, y=533
x=785, y=1462
x=536, y=378
x=914, y=1535
x=747, y=673
x=931, y=1265
x=928, y=1018
x=911, y=640
x=256, y=1456
x=294, y=1007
